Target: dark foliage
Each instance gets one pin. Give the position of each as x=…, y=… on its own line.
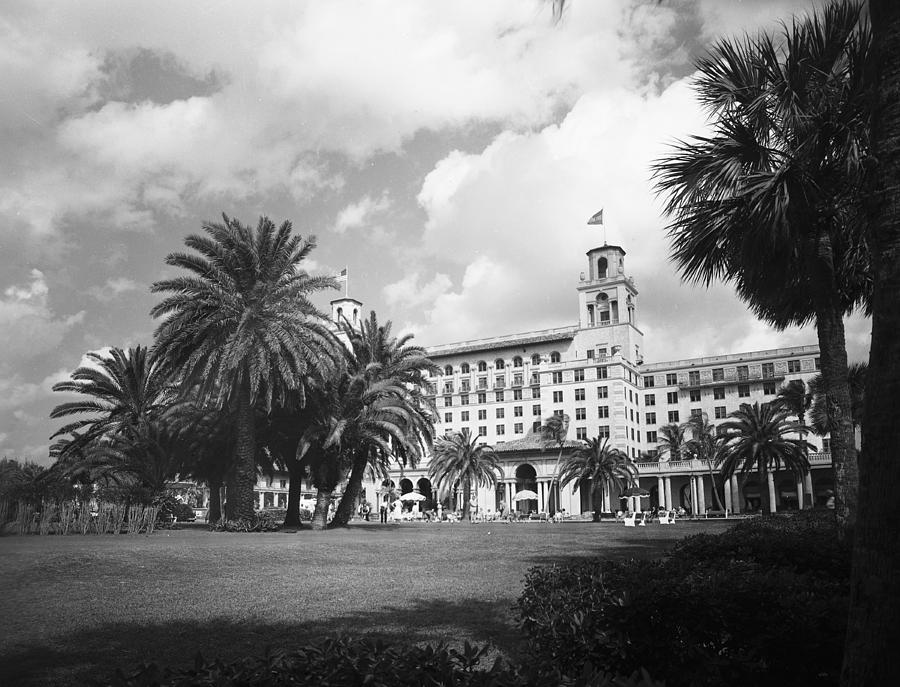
x=262, y=521
x=764, y=603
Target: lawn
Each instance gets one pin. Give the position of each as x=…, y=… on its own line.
x=78, y=607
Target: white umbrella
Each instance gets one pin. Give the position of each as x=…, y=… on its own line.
x=412, y=496
x=525, y=495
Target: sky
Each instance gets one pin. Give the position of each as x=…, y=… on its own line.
x=447, y=154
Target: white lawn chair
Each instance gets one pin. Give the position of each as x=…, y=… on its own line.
x=667, y=517
x=634, y=519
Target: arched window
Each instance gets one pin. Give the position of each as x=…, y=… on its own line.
x=464, y=368
x=517, y=361
x=448, y=370
x=554, y=357
x=535, y=359
x=340, y=314
x=482, y=366
x=355, y=313
x=602, y=267
x=499, y=364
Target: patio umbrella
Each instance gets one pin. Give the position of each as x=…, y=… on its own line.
x=525, y=495
x=634, y=491
x=412, y=496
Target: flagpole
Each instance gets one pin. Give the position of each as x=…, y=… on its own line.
x=347, y=283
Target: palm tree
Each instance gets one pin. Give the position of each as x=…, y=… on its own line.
x=242, y=328
x=870, y=657
x=459, y=460
x=820, y=410
x=672, y=440
x=771, y=200
x=702, y=445
x=553, y=433
x=122, y=389
x=595, y=465
x=756, y=437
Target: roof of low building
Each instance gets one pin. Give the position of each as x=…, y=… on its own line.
x=531, y=442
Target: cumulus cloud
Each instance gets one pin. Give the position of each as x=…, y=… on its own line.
x=362, y=214
x=113, y=288
x=411, y=292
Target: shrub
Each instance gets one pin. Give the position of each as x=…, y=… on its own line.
x=346, y=661
x=260, y=522
x=718, y=611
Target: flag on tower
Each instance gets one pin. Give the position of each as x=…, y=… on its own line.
x=343, y=275
x=597, y=218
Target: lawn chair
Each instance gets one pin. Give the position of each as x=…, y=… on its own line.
x=634, y=519
x=667, y=517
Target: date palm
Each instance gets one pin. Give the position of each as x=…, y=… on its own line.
x=553, y=433
x=241, y=328
x=597, y=465
x=820, y=409
x=770, y=201
x=702, y=445
x=672, y=440
x=758, y=438
x=461, y=461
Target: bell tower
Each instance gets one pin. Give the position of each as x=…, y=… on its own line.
x=607, y=302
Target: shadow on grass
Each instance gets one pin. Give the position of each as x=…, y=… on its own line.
x=96, y=653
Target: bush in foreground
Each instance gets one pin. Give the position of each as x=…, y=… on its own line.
x=348, y=662
x=764, y=602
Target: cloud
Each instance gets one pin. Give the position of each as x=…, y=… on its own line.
x=408, y=292
x=362, y=214
x=113, y=288
x=28, y=326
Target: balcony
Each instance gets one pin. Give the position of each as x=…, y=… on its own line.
x=732, y=378
x=694, y=466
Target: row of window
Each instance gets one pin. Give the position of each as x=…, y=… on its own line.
x=500, y=364
x=769, y=389
x=499, y=397
x=718, y=373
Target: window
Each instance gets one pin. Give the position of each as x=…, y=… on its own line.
x=482, y=366
x=556, y=377
x=603, y=431
x=579, y=375
x=826, y=445
x=482, y=382
x=581, y=433
x=535, y=410
x=744, y=390
x=672, y=397
x=517, y=428
x=601, y=353
x=448, y=370
x=464, y=400
x=650, y=418
x=554, y=357
x=501, y=429
x=769, y=388
x=743, y=373
x=718, y=374
x=694, y=377
x=448, y=387
x=817, y=363
x=448, y=401
x=535, y=359
x=535, y=392
x=590, y=355
x=518, y=379
x=482, y=414
x=501, y=413
x=602, y=411
x=517, y=394
x=579, y=394
x=602, y=373
x=602, y=392
x=649, y=382
x=671, y=379
x=464, y=368
x=630, y=397
x=673, y=416
x=448, y=417
x=464, y=416
x=720, y=412
x=631, y=411
x=696, y=412
x=536, y=426
x=632, y=438
x=719, y=393
x=649, y=399
x=517, y=411
x=535, y=378
x=482, y=431
x=793, y=366
x=695, y=395
x=499, y=382
x=498, y=396
x=558, y=413
x=557, y=396
x=768, y=370
x=581, y=413
x=517, y=361
x=465, y=385
x=651, y=437
x=499, y=364
x=482, y=397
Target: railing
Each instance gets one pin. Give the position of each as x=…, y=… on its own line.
x=694, y=465
x=734, y=358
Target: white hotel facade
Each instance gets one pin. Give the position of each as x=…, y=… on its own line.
x=594, y=372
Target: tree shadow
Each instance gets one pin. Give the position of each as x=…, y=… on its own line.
x=96, y=653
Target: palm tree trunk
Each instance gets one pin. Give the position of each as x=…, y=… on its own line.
x=596, y=502
x=240, y=487
x=467, y=494
x=715, y=489
x=295, y=488
x=323, y=503
x=214, y=515
x=348, y=500
x=763, y=479
x=873, y=632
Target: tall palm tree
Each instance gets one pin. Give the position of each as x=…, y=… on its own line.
x=242, y=329
x=757, y=438
x=459, y=460
x=820, y=409
x=870, y=657
x=672, y=440
x=702, y=445
x=553, y=433
x=595, y=465
x=771, y=200
x=121, y=389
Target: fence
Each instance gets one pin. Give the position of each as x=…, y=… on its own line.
x=70, y=517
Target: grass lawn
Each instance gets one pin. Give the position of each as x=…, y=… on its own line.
x=78, y=607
